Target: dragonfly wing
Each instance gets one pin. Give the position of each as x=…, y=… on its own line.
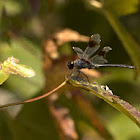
x=79, y=52
x=99, y=58
x=93, y=46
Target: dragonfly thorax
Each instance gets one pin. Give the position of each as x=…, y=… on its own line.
x=81, y=64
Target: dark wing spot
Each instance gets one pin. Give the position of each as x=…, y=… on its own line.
x=92, y=43
x=102, y=53
x=94, y=40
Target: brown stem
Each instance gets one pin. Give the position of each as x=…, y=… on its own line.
x=36, y=98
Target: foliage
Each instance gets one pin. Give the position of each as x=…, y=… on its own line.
x=41, y=35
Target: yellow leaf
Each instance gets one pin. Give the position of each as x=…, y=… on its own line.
x=10, y=66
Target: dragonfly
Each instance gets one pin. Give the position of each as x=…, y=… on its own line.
x=90, y=61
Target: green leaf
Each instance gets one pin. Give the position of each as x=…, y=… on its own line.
x=30, y=55
x=3, y=76
x=106, y=94
x=41, y=126
x=122, y=7
x=128, y=42
x=12, y=7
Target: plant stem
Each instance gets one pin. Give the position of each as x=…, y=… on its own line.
x=36, y=98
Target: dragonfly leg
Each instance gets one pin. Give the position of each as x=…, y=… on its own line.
x=77, y=72
x=74, y=71
x=84, y=75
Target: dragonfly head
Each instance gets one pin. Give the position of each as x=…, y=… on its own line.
x=70, y=65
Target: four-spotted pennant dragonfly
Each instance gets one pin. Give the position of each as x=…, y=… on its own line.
x=96, y=61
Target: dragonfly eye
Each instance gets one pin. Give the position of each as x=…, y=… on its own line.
x=70, y=65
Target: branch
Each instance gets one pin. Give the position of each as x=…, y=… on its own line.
x=36, y=98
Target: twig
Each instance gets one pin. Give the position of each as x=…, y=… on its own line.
x=36, y=98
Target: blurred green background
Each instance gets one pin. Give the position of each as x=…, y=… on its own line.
x=25, y=30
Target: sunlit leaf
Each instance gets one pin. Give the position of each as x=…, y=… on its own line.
x=19, y=69
x=10, y=66
x=106, y=94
